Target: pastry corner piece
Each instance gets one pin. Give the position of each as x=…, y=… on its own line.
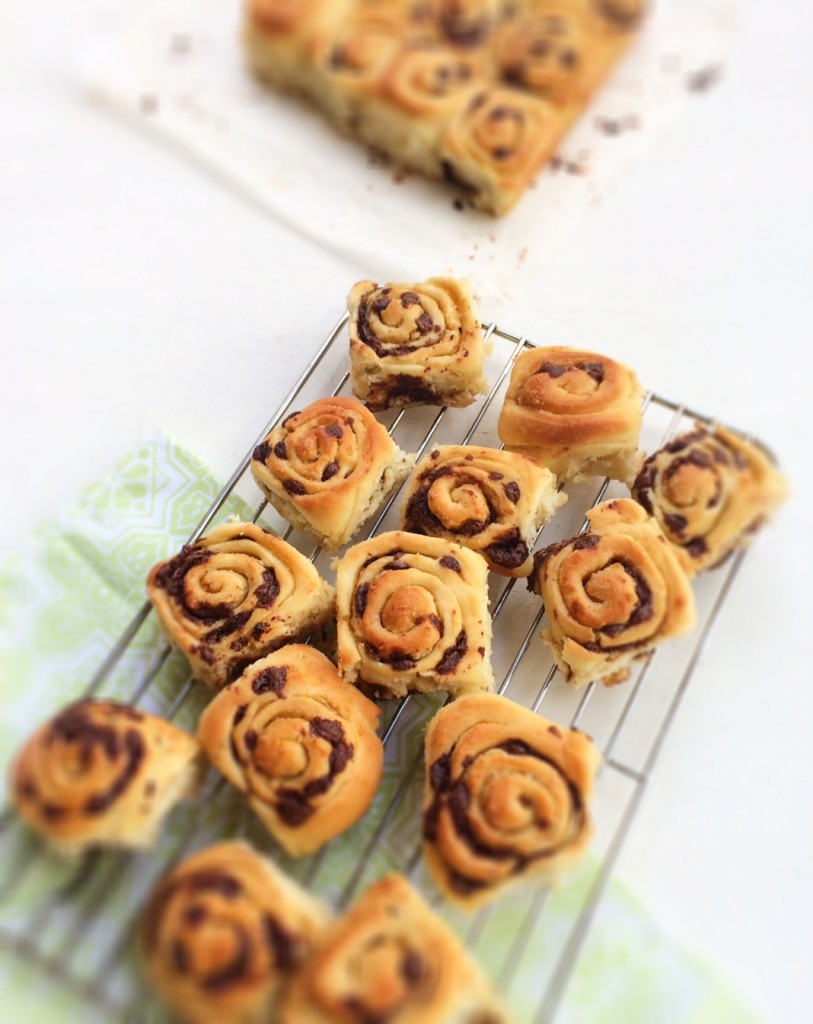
x=299, y=743
x=710, y=491
x=576, y=412
x=235, y=595
x=488, y=500
x=390, y=958
x=415, y=344
x=505, y=798
x=102, y=773
x=327, y=468
x=611, y=594
x=412, y=616
x=224, y=931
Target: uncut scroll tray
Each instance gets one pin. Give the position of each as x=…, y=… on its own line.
x=81, y=932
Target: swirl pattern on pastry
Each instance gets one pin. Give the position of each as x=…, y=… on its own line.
x=223, y=931
x=551, y=54
x=710, y=491
x=413, y=616
x=235, y=595
x=103, y=773
x=427, y=80
x=415, y=344
x=300, y=743
x=327, y=468
x=490, y=501
x=497, y=145
x=390, y=958
x=505, y=796
x=611, y=594
x=577, y=412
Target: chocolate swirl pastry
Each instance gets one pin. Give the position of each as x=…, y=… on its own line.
x=350, y=56
x=551, y=54
x=505, y=796
x=390, y=959
x=103, y=774
x=710, y=491
x=496, y=146
x=413, y=616
x=235, y=595
x=577, y=412
x=490, y=501
x=327, y=468
x=415, y=344
x=425, y=84
x=300, y=743
x=611, y=594
x=224, y=931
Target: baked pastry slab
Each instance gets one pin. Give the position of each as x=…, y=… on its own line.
x=300, y=743
x=223, y=932
x=576, y=412
x=328, y=468
x=506, y=796
x=412, y=615
x=102, y=773
x=415, y=344
x=491, y=501
x=480, y=93
x=611, y=594
x=235, y=595
x=390, y=958
x=710, y=491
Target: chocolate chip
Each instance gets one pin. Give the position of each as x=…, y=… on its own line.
x=265, y=596
x=261, y=452
x=279, y=451
x=270, y=680
x=334, y=430
x=450, y=562
x=330, y=470
x=512, y=491
x=294, y=487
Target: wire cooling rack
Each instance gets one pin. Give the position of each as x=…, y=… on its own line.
x=81, y=932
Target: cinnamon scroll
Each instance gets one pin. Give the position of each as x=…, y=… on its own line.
x=327, y=468
x=224, y=931
x=710, y=491
x=611, y=594
x=233, y=596
x=506, y=795
x=390, y=958
x=300, y=743
x=413, y=616
x=491, y=501
x=415, y=344
x=103, y=774
x=576, y=412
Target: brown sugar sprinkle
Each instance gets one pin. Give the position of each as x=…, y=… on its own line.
x=704, y=79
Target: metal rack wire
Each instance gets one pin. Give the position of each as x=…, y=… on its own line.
x=629, y=724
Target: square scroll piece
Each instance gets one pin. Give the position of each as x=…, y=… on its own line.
x=479, y=93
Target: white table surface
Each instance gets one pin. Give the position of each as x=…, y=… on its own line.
x=138, y=293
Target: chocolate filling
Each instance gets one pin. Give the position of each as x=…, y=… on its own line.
x=281, y=942
x=270, y=679
x=294, y=806
x=454, y=655
x=267, y=593
x=231, y=625
x=261, y=452
x=509, y=552
x=171, y=576
x=294, y=487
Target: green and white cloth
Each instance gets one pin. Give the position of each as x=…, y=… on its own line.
x=65, y=598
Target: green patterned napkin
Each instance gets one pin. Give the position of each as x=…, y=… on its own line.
x=65, y=599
